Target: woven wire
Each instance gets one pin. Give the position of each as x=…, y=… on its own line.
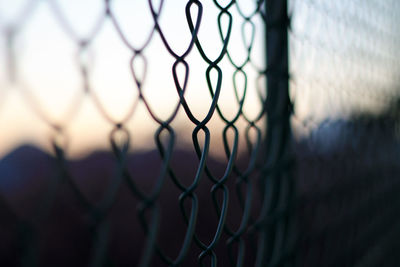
x=345, y=78
x=263, y=195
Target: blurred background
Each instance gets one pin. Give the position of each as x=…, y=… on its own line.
x=91, y=89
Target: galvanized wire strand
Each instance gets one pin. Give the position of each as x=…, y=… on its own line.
x=262, y=184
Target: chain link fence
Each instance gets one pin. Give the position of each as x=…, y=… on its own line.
x=212, y=186
x=158, y=133
x=345, y=82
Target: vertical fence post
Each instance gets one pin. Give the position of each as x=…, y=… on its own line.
x=277, y=176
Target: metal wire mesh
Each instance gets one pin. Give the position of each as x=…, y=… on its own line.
x=345, y=78
x=344, y=55
x=215, y=183
x=236, y=211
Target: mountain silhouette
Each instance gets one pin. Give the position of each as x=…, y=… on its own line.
x=63, y=234
x=347, y=191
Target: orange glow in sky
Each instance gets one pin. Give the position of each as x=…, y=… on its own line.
x=49, y=87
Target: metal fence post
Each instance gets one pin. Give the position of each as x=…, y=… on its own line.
x=277, y=177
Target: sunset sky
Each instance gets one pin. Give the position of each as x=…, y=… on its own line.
x=330, y=76
x=48, y=77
